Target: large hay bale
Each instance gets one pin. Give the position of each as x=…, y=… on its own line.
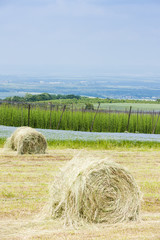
x=94, y=191
x=26, y=140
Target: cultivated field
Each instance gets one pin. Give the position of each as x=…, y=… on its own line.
x=56, y=117
x=24, y=191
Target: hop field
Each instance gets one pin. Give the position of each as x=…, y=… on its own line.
x=79, y=120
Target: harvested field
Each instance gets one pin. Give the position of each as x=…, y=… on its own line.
x=24, y=191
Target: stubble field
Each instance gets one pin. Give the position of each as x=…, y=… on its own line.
x=25, y=182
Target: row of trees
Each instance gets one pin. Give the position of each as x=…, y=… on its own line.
x=41, y=97
x=72, y=98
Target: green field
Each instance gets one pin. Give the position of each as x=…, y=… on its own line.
x=109, y=104
x=55, y=118
x=125, y=106
x=100, y=144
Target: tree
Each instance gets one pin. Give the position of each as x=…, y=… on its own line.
x=89, y=106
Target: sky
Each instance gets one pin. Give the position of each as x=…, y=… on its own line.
x=80, y=37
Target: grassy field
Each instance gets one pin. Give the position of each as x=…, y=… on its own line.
x=118, y=106
x=105, y=144
x=25, y=182
x=126, y=106
x=100, y=144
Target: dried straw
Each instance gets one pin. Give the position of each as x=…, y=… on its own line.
x=26, y=140
x=94, y=191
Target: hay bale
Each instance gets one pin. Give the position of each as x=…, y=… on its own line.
x=95, y=191
x=26, y=140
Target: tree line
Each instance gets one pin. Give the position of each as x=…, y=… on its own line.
x=40, y=97
x=73, y=98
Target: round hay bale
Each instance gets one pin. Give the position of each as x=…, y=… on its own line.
x=95, y=191
x=26, y=140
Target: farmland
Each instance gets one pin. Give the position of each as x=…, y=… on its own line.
x=50, y=116
x=25, y=182
x=135, y=106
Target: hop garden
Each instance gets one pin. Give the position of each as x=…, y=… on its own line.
x=58, y=117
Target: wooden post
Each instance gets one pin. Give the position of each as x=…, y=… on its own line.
x=94, y=117
x=50, y=124
x=137, y=119
x=109, y=118
x=72, y=115
x=82, y=117
x=152, y=119
x=154, y=129
x=129, y=117
x=22, y=115
x=29, y=109
x=61, y=117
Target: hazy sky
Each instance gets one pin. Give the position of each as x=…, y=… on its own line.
x=80, y=36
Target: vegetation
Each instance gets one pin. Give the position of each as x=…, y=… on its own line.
x=2, y=141
x=104, y=144
x=89, y=106
x=56, y=118
x=40, y=97
x=75, y=99
x=99, y=144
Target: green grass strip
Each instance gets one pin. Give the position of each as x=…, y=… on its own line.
x=103, y=144
x=99, y=144
x=2, y=141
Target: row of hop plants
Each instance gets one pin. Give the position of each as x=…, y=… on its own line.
x=77, y=120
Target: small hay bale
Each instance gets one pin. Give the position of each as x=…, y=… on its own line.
x=94, y=191
x=26, y=140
